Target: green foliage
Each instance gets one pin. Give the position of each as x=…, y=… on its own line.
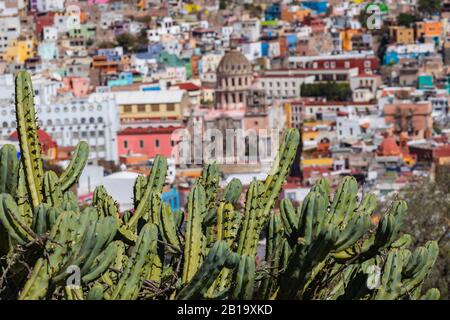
x=429, y=7
x=406, y=20
x=332, y=91
x=327, y=248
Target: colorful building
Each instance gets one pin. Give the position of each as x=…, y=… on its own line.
x=148, y=141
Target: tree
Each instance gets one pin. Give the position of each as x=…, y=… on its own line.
x=429, y=7
x=429, y=219
x=406, y=20
x=332, y=91
x=127, y=41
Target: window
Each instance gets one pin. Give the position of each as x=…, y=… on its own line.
x=127, y=109
x=155, y=108
x=100, y=120
x=84, y=134
x=125, y=144
x=91, y=120
x=157, y=143
x=141, y=144
x=92, y=134
x=171, y=107
x=141, y=108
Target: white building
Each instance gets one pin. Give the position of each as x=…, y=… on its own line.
x=9, y=31
x=66, y=22
x=50, y=5
x=94, y=119
x=354, y=127
x=283, y=86
x=50, y=33
x=249, y=30
x=252, y=50
x=166, y=27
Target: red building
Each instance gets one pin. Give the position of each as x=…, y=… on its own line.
x=43, y=20
x=148, y=141
x=366, y=64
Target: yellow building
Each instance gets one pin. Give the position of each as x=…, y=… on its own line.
x=20, y=50
x=317, y=162
x=152, y=105
x=192, y=7
x=402, y=35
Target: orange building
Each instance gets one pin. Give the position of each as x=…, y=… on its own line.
x=289, y=15
x=413, y=118
x=347, y=36
x=429, y=29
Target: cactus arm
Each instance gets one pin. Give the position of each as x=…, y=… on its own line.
x=139, y=189
x=248, y=235
x=232, y=191
x=22, y=199
x=12, y=222
x=290, y=219
x=431, y=294
x=168, y=229
x=9, y=169
x=207, y=273
x=155, y=184
x=96, y=293
x=194, y=236
x=73, y=293
x=244, y=279
x=73, y=172
x=52, y=189
x=36, y=286
x=104, y=260
x=30, y=148
x=133, y=276
x=280, y=169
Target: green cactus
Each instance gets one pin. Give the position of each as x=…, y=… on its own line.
x=327, y=248
x=194, y=237
x=30, y=148
x=9, y=170
x=73, y=171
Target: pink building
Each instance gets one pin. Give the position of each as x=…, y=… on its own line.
x=91, y=2
x=77, y=85
x=148, y=141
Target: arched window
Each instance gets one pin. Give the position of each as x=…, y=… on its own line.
x=49, y=122
x=100, y=120
x=91, y=120
x=74, y=121
x=5, y=124
x=83, y=120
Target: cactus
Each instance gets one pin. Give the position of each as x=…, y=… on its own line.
x=326, y=248
x=73, y=171
x=30, y=148
x=194, y=237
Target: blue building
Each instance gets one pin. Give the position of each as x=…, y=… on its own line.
x=173, y=198
x=319, y=6
x=273, y=12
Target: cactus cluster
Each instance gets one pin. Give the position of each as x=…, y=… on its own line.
x=326, y=248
